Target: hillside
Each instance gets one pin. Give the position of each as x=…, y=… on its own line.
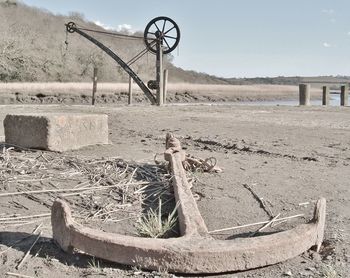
x=33, y=49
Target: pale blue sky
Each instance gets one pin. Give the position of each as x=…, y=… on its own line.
x=238, y=38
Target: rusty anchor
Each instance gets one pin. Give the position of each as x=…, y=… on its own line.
x=195, y=251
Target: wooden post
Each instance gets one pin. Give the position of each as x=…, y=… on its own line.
x=344, y=95
x=304, y=94
x=325, y=95
x=94, y=86
x=159, y=65
x=130, y=91
x=165, y=85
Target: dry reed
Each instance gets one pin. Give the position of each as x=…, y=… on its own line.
x=56, y=88
x=101, y=190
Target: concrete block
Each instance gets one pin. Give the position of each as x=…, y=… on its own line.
x=56, y=131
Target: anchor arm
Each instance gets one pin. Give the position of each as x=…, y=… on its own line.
x=187, y=254
x=71, y=28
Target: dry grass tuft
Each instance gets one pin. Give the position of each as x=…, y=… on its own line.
x=328, y=271
x=154, y=225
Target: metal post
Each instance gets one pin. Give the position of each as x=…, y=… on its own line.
x=304, y=94
x=130, y=91
x=344, y=95
x=94, y=86
x=325, y=95
x=165, y=85
x=159, y=66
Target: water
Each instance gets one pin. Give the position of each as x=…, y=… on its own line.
x=334, y=101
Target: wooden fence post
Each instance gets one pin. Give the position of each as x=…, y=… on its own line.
x=304, y=94
x=344, y=95
x=325, y=95
x=130, y=91
x=159, y=70
x=94, y=86
x=165, y=85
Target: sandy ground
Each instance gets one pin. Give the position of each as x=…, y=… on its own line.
x=288, y=155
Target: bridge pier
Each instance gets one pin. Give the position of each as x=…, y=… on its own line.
x=304, y=94
x=325, y=95
x=344, y=95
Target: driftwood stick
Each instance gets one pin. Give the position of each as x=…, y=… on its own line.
x=18, y=275
x=260, y=200
x=28, y=252
x=255, y=224
x=68, y=190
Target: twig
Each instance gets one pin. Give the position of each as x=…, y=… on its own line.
x=42, y=155
x=13, y=146
x=132, y=176
x=30, y=180
x=13, y=222
x=69, y=189
x=18, y=275
x=141, y=189
x=254, y=224
x=278, y=223
x=126, y=169
x=28, y=223
x=25, y=217
x=81, y=185
x=22, y=239
x=266, y=225
x=260, y=200
x=28, y=252
x=119, y=220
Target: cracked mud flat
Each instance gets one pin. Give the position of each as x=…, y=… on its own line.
x=288, y=155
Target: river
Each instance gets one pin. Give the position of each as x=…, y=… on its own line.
x=334, y=101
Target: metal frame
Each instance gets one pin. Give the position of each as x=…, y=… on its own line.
x=159, y=40
x=71, y=28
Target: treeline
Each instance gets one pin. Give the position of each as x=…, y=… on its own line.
x=291, y=80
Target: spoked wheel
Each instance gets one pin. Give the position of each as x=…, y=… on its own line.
x=70, y=27
x=162, y=30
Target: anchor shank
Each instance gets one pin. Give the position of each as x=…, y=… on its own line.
x=190, y=220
